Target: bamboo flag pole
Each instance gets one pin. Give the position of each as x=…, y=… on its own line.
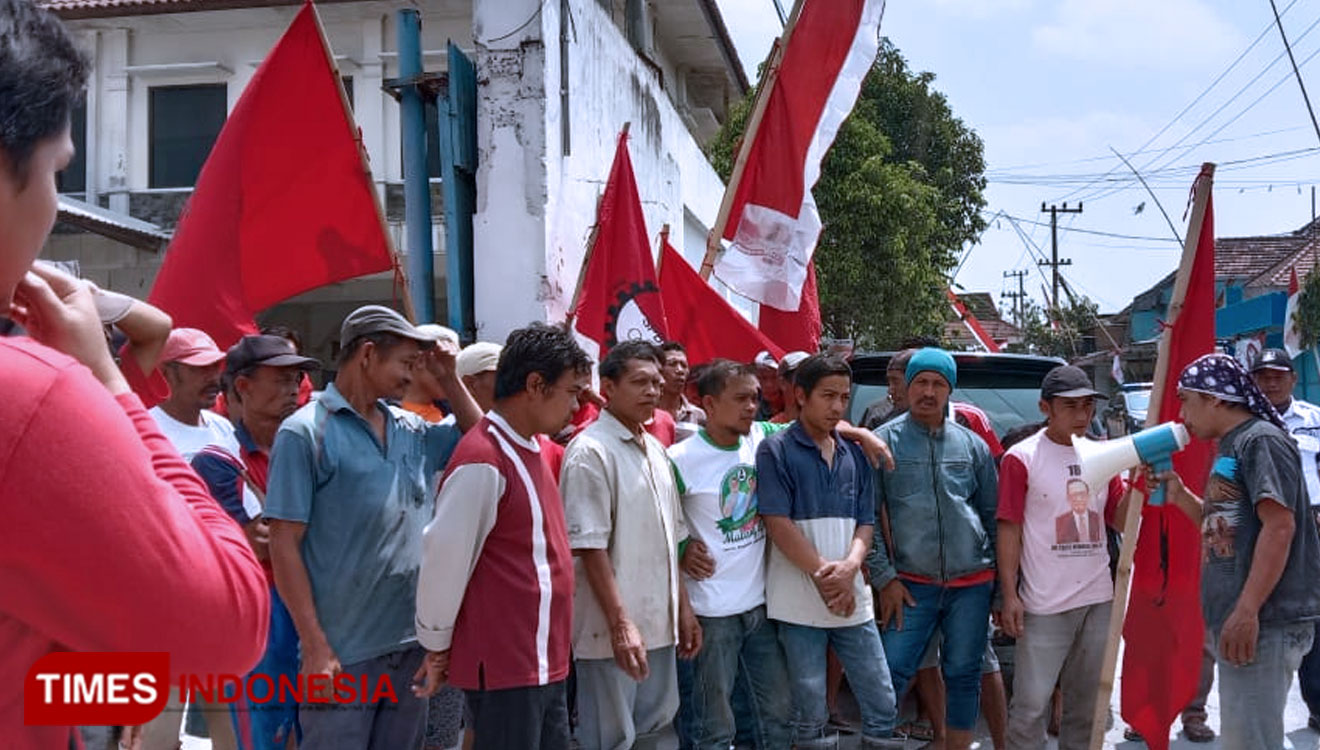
x=591, y=248
x=400, y=273
x=1132, y=522
x=660, y=251
x=749, y=136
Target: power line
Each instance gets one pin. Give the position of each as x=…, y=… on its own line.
x=1296, y=72
x=1259, y=37
x=1084, y=231
x=1109, y=157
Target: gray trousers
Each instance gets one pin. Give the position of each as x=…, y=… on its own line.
x=1253, y=696
x=371, y=726
x=1067, y=648
x=616, y=713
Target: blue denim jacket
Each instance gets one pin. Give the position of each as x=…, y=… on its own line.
x=941, y=497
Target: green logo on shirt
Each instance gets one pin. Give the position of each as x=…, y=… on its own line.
x=738, y=509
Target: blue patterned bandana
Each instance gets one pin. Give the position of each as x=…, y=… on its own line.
x=1223, y=377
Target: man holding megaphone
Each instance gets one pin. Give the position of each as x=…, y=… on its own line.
x=1054, y=564
x=1261, y=551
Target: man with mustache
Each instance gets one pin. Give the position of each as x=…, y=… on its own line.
x=191, y=364
x=350, y=492
x=941, y=499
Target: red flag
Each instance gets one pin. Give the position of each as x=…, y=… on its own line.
x=972, y=324
x=772, y=221
x=1164, y=630
x=284, y=203
x=620, y=297
x=702, y=320
x=800, y=330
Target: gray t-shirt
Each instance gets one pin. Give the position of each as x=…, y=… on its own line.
x=1257, y=461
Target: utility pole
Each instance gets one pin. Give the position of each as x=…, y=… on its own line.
x=1054, y=263
x=1019, y=297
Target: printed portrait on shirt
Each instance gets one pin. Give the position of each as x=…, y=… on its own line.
x=739, y=517
x=1079, y=524
x=1223, y=508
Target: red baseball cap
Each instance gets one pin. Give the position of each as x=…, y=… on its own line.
x=190, y=346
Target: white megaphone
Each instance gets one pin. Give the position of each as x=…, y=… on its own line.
x=1102, y=460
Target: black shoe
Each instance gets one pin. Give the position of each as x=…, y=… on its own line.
x=1132, y=735
x=1313, y=723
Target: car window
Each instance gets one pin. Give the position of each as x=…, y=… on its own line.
x=1007, y=407
x=1137, y=400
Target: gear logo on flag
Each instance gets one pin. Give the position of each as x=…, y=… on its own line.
x=626, y=321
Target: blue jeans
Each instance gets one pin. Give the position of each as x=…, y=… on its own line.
x=863, y=658
x=269, y=723
x=1309, y=676
x=747, y=642
x=1258, y=692
x=963, y=614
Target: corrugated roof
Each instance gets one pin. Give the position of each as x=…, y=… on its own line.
x=116, y=226
x=73, y=9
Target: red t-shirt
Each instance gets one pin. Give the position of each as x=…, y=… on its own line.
x=111, y=542
x=1065, y=551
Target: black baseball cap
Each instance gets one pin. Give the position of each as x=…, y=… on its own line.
x=266, y=351
x=1067, y=381
x=1273, y=359
x=370, y=319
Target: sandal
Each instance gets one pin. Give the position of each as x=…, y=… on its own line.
x=921, y=731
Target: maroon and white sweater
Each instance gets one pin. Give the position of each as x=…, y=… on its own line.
x=496, y=586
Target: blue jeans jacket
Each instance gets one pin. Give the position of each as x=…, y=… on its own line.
x=941, y=498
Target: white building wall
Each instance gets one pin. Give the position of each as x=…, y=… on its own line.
x=539, y=204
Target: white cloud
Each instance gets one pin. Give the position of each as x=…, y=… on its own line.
x=753, y=26
x=1139, y=33
x=1056, y=139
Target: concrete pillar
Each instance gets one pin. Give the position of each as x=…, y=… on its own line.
x=110, y=173
x=509, y=227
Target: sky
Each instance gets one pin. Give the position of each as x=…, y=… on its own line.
x=1051, y=86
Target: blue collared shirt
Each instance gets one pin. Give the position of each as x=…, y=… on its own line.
x=365, y=506
x=827, y=502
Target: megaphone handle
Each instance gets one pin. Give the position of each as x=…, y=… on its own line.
x=1157, y=493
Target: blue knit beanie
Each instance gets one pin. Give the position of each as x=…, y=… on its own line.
x=934, y=360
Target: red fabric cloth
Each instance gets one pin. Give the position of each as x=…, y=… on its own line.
x=800, y=330
x=283, y=204
x=977, y=421
x=662, y=427
x=620, y=297
x=125, y=551
x=1164, y=630
x=699, y=318
x=151, y=389
x=495, y=636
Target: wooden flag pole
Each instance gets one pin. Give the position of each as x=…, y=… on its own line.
x=400, y=273
x=591, y=248
x=1132, y=522
x=749, y=136
x=660, y=251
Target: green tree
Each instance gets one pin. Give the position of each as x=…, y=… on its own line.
x=1062, y=335
x=900, y=195
x=1308, y=311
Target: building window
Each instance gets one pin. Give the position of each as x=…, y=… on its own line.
x=348, y=91
x=74, y=177
x=184, y=122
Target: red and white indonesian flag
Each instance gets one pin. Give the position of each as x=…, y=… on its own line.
x=773, y=224
x=1292, y=338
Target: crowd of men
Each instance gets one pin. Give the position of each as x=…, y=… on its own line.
x=679, y=557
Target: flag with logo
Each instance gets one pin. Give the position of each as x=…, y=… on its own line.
x=1292, y=335
x=619, y=295
x=772, y=221
x=284, y=203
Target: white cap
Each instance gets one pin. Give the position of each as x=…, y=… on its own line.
x=477, y=358
x=766, y=359
x=439, y=333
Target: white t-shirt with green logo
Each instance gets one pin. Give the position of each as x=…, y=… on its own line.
x=718, y=486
